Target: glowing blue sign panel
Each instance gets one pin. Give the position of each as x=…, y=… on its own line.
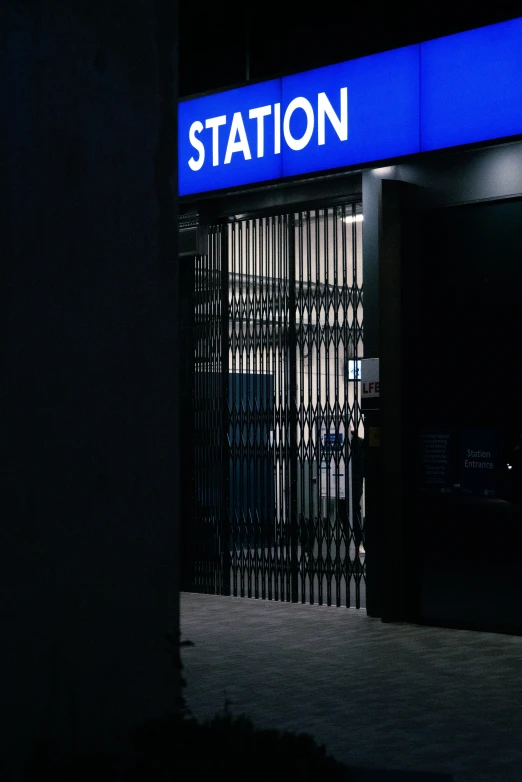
x=358, y=111
x=472, y=86
x=354, y=112
x=230, y=138
x=455, y=90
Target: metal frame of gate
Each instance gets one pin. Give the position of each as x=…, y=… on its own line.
x=273, y=330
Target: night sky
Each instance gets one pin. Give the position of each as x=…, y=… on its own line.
x=284, y=37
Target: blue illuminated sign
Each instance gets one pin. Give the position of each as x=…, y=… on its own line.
x=472, y=86
x=455, y=90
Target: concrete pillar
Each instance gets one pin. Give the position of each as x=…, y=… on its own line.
x=387, y=251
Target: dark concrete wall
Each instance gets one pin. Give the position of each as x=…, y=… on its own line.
x=89, y=570
x=469, y=372
x=442, y=297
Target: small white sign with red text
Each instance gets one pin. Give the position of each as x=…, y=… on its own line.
x=370, y=378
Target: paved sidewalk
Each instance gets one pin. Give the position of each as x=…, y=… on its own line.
x=377, y=695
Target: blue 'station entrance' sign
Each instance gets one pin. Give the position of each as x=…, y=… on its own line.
x=479, y=461
x=455, y=90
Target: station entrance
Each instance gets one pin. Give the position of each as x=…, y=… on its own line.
x=273, y=456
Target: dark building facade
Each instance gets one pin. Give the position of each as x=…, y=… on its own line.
x=89, y=557
x=367, y=210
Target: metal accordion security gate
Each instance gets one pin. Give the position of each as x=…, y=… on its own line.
x=274, y=464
